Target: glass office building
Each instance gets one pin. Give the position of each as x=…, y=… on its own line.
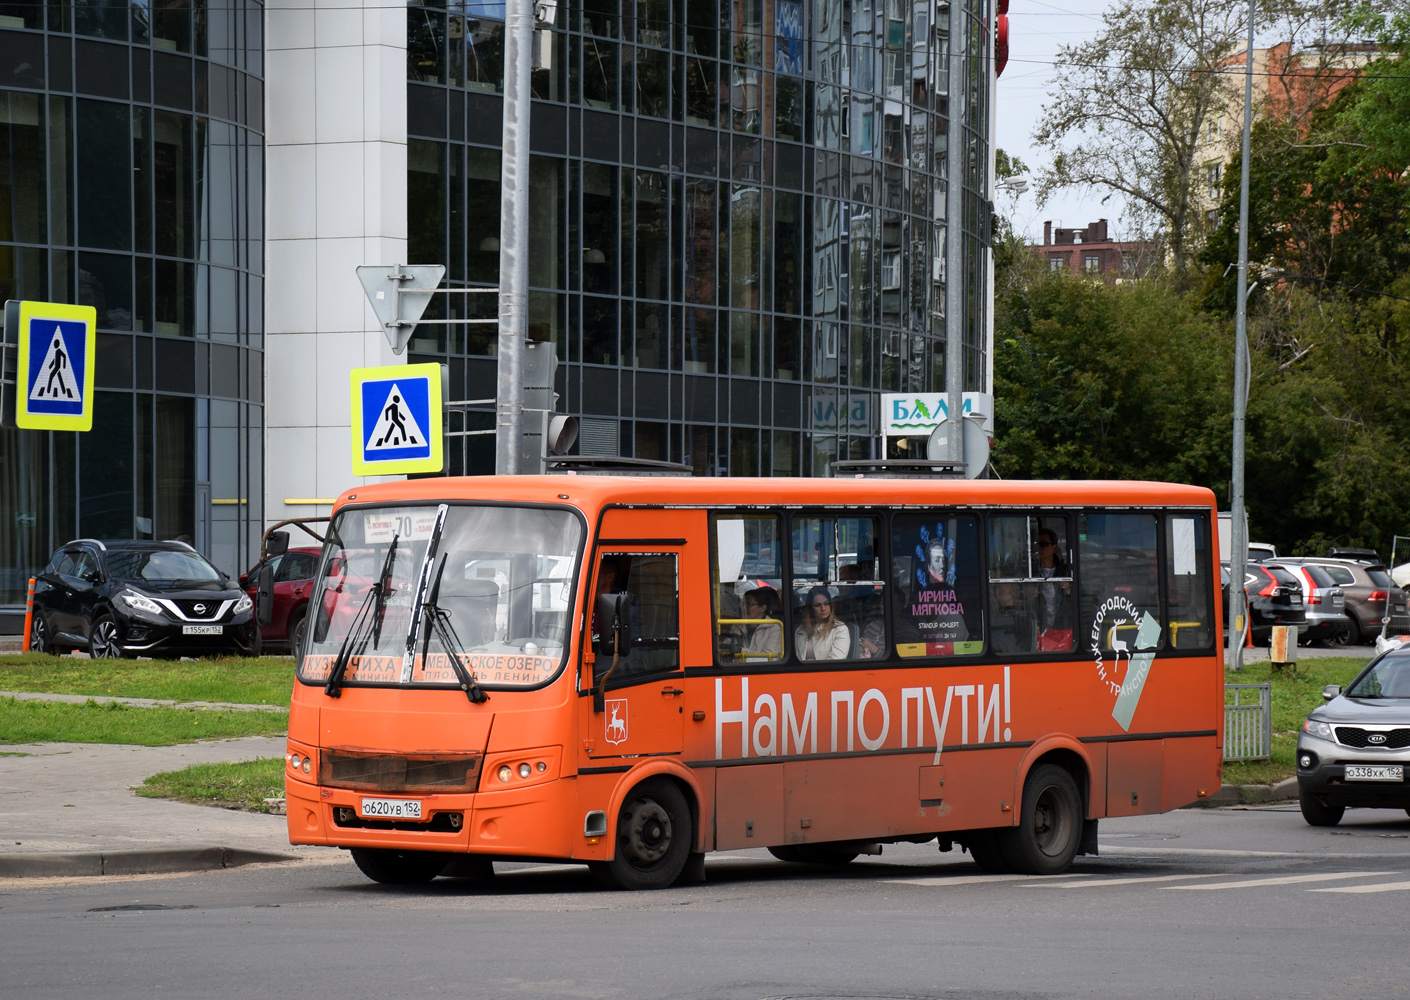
x=739, y=215
x=132, y=138
x=749, y=218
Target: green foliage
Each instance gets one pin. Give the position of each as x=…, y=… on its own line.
x=232, y=786
x=1135, y=380
x=236, y=680
x=1098, y=381
x=1006, y=166
x=58, y=722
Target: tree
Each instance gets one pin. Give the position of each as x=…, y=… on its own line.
x=1131, y=107
x=1097, y=381
x=1135, y=104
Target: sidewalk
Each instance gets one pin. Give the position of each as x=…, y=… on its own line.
x=66, y=809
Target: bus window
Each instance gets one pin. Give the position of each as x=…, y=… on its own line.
x=1030, y=584
x=838, y=595
x=1187, y=581
x=937, y=585
x=650, y=578
x=1120, y=596
x=747, y=583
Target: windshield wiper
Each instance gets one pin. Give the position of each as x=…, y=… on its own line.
x=437, y=621
x=366, y=624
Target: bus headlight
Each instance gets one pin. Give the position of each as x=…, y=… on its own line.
x=505, y=773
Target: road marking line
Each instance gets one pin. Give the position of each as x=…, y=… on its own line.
x=1096, y=882
x=1284, y=880
x=971, y=879
x=1210, y=852
x=1382, y=887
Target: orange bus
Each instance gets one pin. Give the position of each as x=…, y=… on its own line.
x=631, y=672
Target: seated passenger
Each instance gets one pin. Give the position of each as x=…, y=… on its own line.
x=764, y=642
x=821, y=636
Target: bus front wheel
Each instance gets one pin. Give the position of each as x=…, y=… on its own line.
x=398, y=867
x=1049, y=828
x=654, y=836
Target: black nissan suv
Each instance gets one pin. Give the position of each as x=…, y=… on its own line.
x=161, y=599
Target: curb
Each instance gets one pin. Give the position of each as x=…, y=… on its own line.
x=1247, y=795
x=103, y=699
x=139, y=862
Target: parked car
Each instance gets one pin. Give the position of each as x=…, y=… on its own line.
x=1323, y=602
x=1366, y=587
x=294, y=573
x=1274, y=598
x=1352, y=751
x=145, y=598
x=1368, y=556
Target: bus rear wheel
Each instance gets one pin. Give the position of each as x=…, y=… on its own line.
x=654, y=836
x=986, y=851
x=398, y=867
x=1049, y=827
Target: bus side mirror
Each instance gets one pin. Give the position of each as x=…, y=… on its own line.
x=264, y=595
x=613, y=617
x=276, y=544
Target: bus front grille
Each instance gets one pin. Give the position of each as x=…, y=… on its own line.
x=382, y=772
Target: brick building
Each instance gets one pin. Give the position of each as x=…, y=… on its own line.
x=1092, y=251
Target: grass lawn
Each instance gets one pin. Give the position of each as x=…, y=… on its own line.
x=1294, y=695
x=57, y=722
x=248, y=681
x=231, y=786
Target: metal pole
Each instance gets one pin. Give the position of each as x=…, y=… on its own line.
x=514, y=235
x=1238, y=545
x=955, y=165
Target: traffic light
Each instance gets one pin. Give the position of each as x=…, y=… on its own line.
x=1001, y=39
x=546, y=432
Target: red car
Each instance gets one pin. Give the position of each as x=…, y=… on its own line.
x=294, y=573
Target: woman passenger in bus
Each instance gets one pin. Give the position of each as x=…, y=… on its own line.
x=765, y=641
x=821, y=636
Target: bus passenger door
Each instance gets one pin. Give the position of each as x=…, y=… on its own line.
x=643, y=711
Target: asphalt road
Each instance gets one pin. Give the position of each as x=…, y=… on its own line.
x=1199, y=903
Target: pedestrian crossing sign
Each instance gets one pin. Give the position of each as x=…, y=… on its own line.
x=396, y=420
x=55, y=366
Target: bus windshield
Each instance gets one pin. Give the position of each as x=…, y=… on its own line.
x=503, y=575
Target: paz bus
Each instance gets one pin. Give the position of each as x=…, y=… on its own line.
x=631, y=672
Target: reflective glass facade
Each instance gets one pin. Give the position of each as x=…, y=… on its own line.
x=133, y=138
x=739, y=216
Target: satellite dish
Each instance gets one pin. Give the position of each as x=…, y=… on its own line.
x=976, y=446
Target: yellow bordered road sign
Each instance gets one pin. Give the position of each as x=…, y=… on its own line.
x=57, y=344
x=397, y=420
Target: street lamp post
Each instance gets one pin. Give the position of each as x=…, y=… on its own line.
x=1238, y=545
x=514, y=235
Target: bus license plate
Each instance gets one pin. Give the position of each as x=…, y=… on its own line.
x=202, y=629
x=1376, y=772
x=391, y=809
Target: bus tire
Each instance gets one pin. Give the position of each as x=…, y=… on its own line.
x=1049, y=829
x=654, y=837
x=787, y=852
x=398, y=867
x=983, y=846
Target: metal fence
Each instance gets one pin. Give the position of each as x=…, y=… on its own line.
x=1248, y=721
